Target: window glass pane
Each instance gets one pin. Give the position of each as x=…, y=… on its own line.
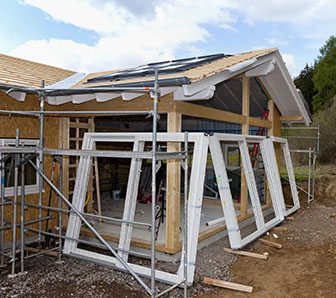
x=30, y=173
x=233, y=158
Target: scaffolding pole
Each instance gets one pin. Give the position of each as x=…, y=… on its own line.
x=41, y=159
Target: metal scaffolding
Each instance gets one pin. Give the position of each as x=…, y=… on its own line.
x=23, y=157
x=312, y=152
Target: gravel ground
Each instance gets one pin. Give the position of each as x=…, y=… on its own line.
x=76, y=278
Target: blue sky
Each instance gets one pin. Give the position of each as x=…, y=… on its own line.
x=97, y=35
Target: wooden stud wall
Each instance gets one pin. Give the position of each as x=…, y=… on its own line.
x=73, y=130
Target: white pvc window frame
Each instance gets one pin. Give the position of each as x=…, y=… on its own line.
x=202, y=143
x=194, y=201
x=28, y=189
x=291, y=176
x=268, y=156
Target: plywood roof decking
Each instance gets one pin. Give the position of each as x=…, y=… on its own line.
x=194, y=74
x=16, y=71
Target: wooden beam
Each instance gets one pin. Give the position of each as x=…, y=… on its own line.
x=64, y=133
x=291, y=118
x=270, y=132
x=260, y=122
x=245, y=131
x=174, y=124
x=193, y=110
x=199, y=111
x=96, y=171
x=134, y=241
x=246, y=253
x=270, y=116
x=227, y=285
x=91, y=128
x=270, y=243
x=142, y=103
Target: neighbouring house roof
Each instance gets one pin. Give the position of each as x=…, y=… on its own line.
x=190, y=79
x=20, y=72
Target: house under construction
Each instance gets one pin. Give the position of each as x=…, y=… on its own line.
x=157, y=157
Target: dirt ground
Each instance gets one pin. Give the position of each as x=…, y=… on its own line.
x=305, y=266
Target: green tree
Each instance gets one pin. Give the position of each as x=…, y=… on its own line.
x=324, y=75
x=305, y=83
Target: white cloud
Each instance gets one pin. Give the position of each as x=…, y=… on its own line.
x=275, y=41
x=107, y=54
x=132, y=32
x=290, y=11
x=292, y=66
x=127, y=36
x=316, y=17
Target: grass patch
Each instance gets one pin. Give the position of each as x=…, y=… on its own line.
x=301, y=173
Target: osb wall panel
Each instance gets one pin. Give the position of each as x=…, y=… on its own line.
x=29, y=128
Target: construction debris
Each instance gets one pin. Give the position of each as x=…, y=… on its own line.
x=246, y=253
x=270, y=243
x=279, y=229
x=227, y=285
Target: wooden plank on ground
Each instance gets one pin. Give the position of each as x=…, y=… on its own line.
x=246, y=253
x=46, y=252
x=279, y=229
x=227, y=285
x=270, y=243
x=291, y=218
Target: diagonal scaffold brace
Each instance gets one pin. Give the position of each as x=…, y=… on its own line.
x=87, y=223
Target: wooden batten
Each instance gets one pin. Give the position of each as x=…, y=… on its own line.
x=246, y=253
x=270, y=243
x=227, y=285
x=173, y=186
